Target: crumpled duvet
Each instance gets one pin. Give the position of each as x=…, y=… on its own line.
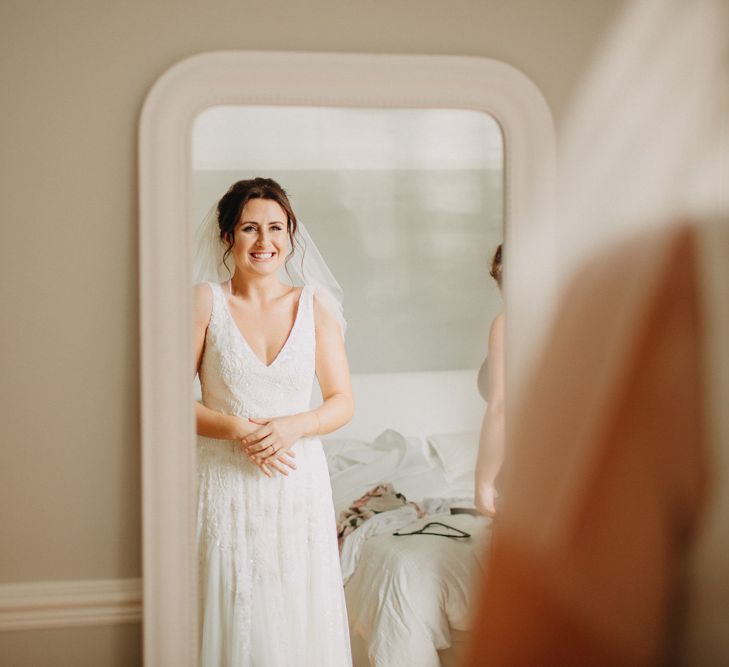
x=408, y=593
x=405, y=594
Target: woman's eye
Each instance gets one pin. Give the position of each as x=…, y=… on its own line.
x=249, y=228
x=276, y=228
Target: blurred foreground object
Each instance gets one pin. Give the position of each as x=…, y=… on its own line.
x=612, y=544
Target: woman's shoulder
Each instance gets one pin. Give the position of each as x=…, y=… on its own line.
x=324, y=318
x=202, y=301
x=294, y=296
x=207, y=289
x=203, y=291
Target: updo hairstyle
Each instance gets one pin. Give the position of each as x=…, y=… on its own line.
x=231, y=205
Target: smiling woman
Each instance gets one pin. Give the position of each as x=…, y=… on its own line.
x=256, y=221
x=267, y=551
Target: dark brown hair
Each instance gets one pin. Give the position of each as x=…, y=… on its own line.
x=231, y=206
x=495, y=269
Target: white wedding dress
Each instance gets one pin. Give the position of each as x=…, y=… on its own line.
x=270, y=584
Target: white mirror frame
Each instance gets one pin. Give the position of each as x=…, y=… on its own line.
x=268, y=78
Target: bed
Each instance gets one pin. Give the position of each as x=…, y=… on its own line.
x=409, y=597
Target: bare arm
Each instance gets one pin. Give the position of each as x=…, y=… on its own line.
x=491, y=443
x=210, y=423
x=332, y=371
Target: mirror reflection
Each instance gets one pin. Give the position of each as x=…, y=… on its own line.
x=329, y=458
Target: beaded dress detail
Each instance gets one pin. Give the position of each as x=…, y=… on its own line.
x=270, y=585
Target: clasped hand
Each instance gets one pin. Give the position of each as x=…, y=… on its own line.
x=269, y=446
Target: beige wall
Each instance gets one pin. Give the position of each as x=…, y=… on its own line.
x=100, y=646
x=74, y=76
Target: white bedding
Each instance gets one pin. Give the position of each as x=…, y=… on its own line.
x=405, y=595
x=409, y=593
x=409, y=464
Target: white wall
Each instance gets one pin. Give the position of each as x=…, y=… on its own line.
x=406, y=205
x=74, y=75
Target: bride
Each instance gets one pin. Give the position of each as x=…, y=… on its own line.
x=270, y=587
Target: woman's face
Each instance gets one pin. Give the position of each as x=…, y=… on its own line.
x=261, y=241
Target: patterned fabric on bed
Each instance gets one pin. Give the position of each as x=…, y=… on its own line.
x=381, y=498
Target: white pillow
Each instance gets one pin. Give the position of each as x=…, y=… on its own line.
x=455, y=453
x=337, y=446
x=342, y=453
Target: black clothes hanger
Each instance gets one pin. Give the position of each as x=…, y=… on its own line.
x=456, y=534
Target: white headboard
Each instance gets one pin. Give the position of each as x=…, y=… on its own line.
x=413, y=404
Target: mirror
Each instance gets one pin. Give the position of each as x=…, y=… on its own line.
x=406, y=206
x=439, y=178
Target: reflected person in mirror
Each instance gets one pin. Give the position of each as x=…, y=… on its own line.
x=270, y=587
x=491, y=384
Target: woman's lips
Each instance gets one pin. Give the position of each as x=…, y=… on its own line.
x=262, y=256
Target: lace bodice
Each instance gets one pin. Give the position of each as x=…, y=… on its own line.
x=236, y=382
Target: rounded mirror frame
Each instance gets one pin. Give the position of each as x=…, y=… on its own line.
x=272, y=79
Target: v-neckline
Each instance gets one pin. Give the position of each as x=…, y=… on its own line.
x=245, y=340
